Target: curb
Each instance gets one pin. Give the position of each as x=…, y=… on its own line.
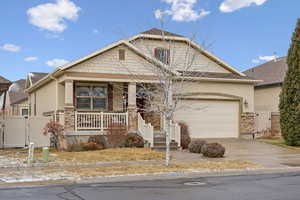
x=150, y=176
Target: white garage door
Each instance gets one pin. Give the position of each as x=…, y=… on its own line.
x=210, y=118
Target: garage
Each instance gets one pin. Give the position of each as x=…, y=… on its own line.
x=210, y=118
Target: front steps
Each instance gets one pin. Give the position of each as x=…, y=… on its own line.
x=159, y=143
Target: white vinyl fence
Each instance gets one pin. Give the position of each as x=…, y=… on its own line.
x=20, y=131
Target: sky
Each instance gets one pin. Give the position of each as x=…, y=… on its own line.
x=39, y=35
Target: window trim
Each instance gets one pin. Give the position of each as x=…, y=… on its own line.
x=90, y=85
x=156, y=49
x=122, y=52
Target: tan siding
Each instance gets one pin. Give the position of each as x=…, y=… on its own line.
x=267, y=99
x=109, y=63
x=179, y=50
x=45, y=98
x=61, y=96
x=244, y=91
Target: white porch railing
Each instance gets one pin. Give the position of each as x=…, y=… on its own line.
x=176, y=133
x=98, y=121
x=146, y=130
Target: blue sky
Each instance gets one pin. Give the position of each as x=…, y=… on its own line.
x=37, y=35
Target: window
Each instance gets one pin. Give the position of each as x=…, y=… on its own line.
x=121, y=54
x=163, y=55
x=91, y=97
x=24, y=112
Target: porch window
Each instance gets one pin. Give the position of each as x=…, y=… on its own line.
x=162, y=55
x=91, y=97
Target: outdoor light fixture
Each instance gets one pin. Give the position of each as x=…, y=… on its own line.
x=246, y=103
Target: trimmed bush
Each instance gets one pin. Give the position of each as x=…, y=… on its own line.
x=185, y=135
x=92, y=146
x=134, y=140
x=213, y=150
x=76, y=148
x=100, y=140
x=196, y=145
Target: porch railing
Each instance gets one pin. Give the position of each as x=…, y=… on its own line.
x=146, y=130
x=99, y=121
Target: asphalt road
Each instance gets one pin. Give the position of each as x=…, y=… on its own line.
x=253, y=187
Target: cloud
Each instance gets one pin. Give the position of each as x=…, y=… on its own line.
x=95, y=31
x=31, y=59
x=181, y=11
x=264, y=59
x=53, y=16
x=56, y=62
x=233, y=5
x=11, y=48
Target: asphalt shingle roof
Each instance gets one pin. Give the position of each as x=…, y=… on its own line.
x=155, y=31
x=271, y=73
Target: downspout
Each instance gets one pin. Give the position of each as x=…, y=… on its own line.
x=56, y=97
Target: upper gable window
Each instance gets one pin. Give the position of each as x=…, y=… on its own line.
x=162, y=55
x=121, y=54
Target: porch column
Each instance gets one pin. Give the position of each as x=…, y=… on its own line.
x=132, y=108
x=69, y=106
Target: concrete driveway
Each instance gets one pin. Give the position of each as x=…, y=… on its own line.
x=265, y=155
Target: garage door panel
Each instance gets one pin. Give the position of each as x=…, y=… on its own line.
x=210, y=119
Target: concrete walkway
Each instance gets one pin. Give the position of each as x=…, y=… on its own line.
x=265, y=155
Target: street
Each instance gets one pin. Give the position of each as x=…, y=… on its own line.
x=247, y=187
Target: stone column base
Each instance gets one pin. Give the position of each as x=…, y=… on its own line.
x=247, y=123
x=69, y=118
x=132, y=119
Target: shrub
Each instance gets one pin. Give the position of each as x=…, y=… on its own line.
x=213, y=150
x=117, y=134
x=99, y=139
x=134, y=140
x=185, y=135
x=57, y=138
x=290, y=95
x=196, y=145
x=92, y=146
x=76, y=148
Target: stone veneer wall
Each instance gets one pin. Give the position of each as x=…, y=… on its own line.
x=69, y=119
x=275, y=123
x=247, y=123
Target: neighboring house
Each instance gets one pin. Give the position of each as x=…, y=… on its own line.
x=84, y=95
x=266, y=93
x=17, y=98
x=4, y=85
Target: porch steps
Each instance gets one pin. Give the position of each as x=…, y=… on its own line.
x=160, y=143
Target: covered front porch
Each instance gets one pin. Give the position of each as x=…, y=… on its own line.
x=93, y=107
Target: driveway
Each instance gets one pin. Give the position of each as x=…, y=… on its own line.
x=265, y=155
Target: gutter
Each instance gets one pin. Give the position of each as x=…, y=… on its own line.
x=221, y=80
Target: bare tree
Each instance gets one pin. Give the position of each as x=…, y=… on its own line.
x=171, y=76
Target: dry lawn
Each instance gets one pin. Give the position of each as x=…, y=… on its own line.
x=150, y=168
x=107, y=155
x=278, y=142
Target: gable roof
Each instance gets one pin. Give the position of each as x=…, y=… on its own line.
x=152, y=33
x=216, y=75
x=16, y=92
x=4, y=80
x=272, y=72
x=36, y=76
x=156, y=31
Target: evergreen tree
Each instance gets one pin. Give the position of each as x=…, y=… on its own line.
x=290, y=95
